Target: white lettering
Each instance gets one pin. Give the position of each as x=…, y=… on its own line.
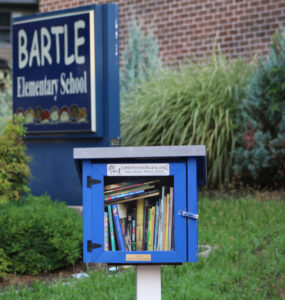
x=78, y=41
x=45, y=35
x=22, y=48
x=57, y=30
x=68, y=60
x=35, y=53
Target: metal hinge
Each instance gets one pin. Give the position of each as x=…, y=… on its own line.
x=91, y=246
x=187, y=214
x=91, y=181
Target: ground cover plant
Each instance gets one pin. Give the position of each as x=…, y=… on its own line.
x=191, y=106
x=246, y=262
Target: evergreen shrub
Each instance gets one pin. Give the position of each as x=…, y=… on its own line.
x=14, y=169
x=260, y=152
x=194, y=105
x=39, y=235
x=140, y=58
x=4, y=262
x=5, y=98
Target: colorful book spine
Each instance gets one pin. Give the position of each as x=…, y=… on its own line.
x=166, y=222
x=118, y=227
x=112, y=235
x=124, y=195
x=148, y=229
x=106, y=227
x=160, y=245
x=170, y=219
x=139, y=225
x=152, y=227
x=134, y=248
x=156, y=225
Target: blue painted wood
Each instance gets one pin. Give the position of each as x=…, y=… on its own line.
x=96, y=224
x=87, y=212
x=192, y=207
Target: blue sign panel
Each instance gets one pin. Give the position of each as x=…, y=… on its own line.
x=54, y=71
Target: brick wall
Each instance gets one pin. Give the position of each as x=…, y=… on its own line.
x=187, y=29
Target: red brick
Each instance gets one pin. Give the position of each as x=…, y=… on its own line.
x=187, y=28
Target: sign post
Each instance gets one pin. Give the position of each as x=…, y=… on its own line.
x=66, y=88
x=148, y=282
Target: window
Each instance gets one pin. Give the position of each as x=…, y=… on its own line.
x=5, y=27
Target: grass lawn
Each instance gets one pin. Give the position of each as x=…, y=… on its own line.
x=247, y=261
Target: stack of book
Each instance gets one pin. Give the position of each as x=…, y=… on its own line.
x=139, y=216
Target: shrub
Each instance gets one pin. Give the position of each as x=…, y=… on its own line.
x=260, y=153
x=140, y=58
x=4, y=262
x=191, y=106
x=5, y=98
x=14, y=170
x=39, y=235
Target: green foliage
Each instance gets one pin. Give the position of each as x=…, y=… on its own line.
x=14, y=170
x=195, y=105
x=246, y=262
x=5, y=98
x=4, y=262
x=260, y=155
x=39, y=235
x=140, y=58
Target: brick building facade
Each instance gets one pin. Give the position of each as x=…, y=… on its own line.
x=187, y=28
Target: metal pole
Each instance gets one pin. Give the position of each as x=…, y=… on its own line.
x=148, y=282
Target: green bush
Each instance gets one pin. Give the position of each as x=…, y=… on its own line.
x=194, y=105
x=140, y=59
x=260, y=153
x=5, y=98
x=39, y=235
x=4, y=262
x=14, y=169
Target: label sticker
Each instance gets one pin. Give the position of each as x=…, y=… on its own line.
x=138, y=257
x=138, y=169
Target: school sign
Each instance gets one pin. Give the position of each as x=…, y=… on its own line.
x=66, y=88
x=54, y=71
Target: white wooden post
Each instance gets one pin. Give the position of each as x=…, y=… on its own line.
x=148, y=282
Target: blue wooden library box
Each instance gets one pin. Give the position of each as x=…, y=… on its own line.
x=140, y=204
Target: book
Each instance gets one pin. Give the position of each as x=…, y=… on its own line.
x=148, y=229
x=118, y=227
x=112, y=235
x=156, y=225
x=152, y=228
x=170, y=219
x=124, y=195
x=106, y=235
x=126, y=185
x=166, y=223
x=139, y=225
x=126, y=191
x=134, y=235
x=161, y=213
x=145, y=223
x=144, y=195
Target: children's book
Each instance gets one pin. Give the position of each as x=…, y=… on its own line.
x=106, y=235
x=135, y=197
x=170, y=219
x=112, y=234
x=155, y=238
x=139, y=225
x=119, y=234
